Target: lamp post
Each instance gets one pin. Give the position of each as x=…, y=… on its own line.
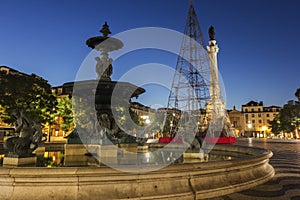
x=172, y=124
x=249, y=125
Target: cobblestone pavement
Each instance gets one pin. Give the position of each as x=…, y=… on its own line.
x=286, y=162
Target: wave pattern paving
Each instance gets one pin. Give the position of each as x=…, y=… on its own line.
x=286, y=182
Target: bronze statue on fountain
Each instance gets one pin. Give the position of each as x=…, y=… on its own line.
x=29, y=135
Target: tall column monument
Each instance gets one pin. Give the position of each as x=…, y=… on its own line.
x=215, y=105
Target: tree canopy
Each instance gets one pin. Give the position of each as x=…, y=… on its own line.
x=288, y=118
x=64, y=110
x=26, y=92
x=297, y=94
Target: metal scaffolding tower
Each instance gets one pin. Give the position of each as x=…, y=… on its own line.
x=190, y=86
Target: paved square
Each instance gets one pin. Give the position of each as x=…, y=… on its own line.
x=286, y=162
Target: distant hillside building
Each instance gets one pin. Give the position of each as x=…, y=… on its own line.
x=64, y=90
x=8, y=70
x=292, y=102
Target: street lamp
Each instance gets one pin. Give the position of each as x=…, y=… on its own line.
x=249, y=125
x=171, y=123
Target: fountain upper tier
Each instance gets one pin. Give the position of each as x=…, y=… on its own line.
x=110, y=44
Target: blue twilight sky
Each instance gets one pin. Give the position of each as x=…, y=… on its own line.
x=259, y=43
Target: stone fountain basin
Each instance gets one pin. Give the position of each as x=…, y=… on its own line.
x=177, y=181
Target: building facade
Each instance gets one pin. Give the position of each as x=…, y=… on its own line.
x=254, y=119
x=237, y=120
x=56, y=133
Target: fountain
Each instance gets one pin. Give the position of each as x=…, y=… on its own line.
x=243, y=167
x=100, y=133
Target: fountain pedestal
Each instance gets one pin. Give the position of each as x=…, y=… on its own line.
x=81, y=155
x=75, y=149
x=11, y=161
x=107, y=154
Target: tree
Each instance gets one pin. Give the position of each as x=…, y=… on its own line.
x=276, y=125
x=64, y=110
x=26, y=92
x=3, y=116
x=297, y=94
x=288, y=119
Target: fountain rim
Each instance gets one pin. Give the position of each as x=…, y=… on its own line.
x=252, y=154
x=186, y=181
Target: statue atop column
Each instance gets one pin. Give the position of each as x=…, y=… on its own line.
x=211, y=32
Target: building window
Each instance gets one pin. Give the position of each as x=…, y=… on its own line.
x=253, y=115
x=253, y=121
x=259, y=115
x=259, y=110
x=268, y=115
x=259, y=121
x=246, y=110
x=252, y=110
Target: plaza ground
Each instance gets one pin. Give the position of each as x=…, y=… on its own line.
x=286, y=162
